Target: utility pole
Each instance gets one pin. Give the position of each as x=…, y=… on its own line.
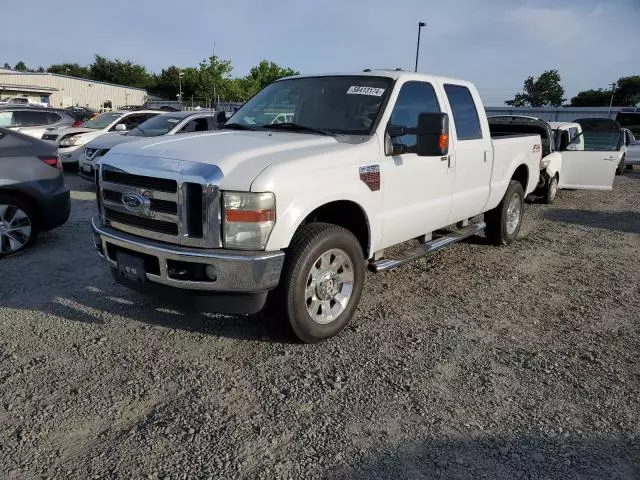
x=613, y=91
x=180, y=75
x=420, y=25
x=213, y=107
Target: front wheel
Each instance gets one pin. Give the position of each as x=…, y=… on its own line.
x=18, y=228
x=322, y=282
x=504, y=221
x=551, y=190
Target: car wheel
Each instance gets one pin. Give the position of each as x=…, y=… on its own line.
x=504, y=221
x=551, y=191
x=322, y=282
x=620, y=169
x=18, y=227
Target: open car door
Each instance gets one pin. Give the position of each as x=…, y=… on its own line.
x=594, y=167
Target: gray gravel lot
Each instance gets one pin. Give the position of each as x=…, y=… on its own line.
x=479, y=362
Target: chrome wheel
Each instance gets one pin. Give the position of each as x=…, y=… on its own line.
x=329, y=286
x=514, y=212
x=15, y=229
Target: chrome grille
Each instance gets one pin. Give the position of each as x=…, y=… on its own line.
x=180, y=206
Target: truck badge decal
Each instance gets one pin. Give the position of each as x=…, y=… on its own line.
x=370, y=175
x=135, y=202
x=536, y=148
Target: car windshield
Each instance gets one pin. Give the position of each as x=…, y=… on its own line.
x=101, y=121
x=155, y=126
x=630, y=121
x=329, y=105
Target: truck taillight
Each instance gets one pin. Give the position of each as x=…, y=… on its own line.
x=52, y=161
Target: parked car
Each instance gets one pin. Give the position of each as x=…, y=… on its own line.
x=21, y=101
x=71, y=141
x=629, y=117
x=163, y=124
x=633, y=149
x=299, y=209
x=602, y=134
x=35, y=121
x=81, y=114
x=33, y=195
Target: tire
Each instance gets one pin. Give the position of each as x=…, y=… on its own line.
x=501, y=229
x=322, y=262
x=629, y=167
x=620, y=169
x=18, y=225
x=551, y=191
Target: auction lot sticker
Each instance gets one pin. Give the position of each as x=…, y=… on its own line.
x=375, y=92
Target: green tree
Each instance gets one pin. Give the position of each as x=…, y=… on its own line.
x=166, y=83
x=540, y=92
x=71, y=69
x=120, y=72
x=627, y=91
x=266, y=72
x=592, y=98
x=20, y=66
x=7, y=66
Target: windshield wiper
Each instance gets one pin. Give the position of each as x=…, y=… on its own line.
x=294, y=127
x=239, y=126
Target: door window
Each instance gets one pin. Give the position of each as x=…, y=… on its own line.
x=414, y=98
x=465, y=114
x=195, y=125
x=132, y=121
x=30, y=119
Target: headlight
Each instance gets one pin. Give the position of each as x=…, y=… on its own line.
x=248, y=219
x=72, y=141
x=544, y=162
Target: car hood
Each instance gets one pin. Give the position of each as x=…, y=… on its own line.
x=72, y=130
x=240, y=155
x=110, y=140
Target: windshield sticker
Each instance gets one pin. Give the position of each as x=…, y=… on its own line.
x=372, y=91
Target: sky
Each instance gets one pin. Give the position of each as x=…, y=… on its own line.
x=494, y=43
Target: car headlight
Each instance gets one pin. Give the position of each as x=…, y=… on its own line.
x=247, y=219
x=72, y=141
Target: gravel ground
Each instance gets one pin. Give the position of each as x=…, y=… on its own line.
x=479, y=362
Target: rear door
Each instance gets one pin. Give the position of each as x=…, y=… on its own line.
x=594, y=167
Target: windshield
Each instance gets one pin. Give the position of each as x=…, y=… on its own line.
x=336, y=105
x=630, y=121
x=155, y=126
x=102, y=121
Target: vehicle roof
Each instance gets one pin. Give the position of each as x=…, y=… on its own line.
x=564, y=124
x=392, y=74
x=32, y=109
x=186, y=113
x=506, y=115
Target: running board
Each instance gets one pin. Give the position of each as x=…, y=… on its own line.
x=386, y=264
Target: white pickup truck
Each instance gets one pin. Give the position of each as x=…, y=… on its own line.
x=299, y=209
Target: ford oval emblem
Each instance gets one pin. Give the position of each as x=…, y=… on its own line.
x=135, y=202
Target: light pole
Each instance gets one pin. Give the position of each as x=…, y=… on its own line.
x=180, y=74
x=420, y=25
x=613, y=91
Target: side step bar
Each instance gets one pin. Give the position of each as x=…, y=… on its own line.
x=386, y=264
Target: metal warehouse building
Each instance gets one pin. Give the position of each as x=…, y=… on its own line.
x=63, y=91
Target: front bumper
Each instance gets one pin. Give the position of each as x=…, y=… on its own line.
x=237, y=272
x=87, y=168
x=70, y=154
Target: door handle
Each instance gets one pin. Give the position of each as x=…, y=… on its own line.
x=611, y=159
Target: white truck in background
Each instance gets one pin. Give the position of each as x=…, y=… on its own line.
x=21, y=101
x=297, y=211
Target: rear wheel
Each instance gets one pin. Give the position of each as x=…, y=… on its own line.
x=322, y=282
x=504, y=221
x=551, y=190
x=18, y=228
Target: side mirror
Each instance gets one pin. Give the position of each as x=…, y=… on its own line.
x=432, y=134
x=221, y=117
x=121, y=127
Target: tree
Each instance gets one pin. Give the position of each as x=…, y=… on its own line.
x=20, y=66
x=120, y=72
x=71, y=69
x=266, y=72
x=543, y=91
x=40, y=69
x=7, y=66
x=592, y=98
x=167, y=84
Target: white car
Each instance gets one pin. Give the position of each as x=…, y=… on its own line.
x=170, y=123
x=21, y=102
x=299, y=210
x=71, y=141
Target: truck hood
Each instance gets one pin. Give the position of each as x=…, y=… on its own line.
x=240, y=155
x=110, y=140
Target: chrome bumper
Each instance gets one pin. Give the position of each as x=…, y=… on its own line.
x=237, y=272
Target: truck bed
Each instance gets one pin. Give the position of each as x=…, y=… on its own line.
x=525, y=148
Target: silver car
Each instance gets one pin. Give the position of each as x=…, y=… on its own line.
x=33, y=195
x=170, y=123
x=34, y=121
x=632, y=156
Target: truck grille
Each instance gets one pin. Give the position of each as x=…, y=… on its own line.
x=165, y=209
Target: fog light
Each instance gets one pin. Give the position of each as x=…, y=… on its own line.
x=211, y=273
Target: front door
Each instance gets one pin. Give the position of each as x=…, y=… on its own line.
x=593, y=168
x=417, y=190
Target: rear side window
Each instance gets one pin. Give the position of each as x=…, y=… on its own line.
x=28, y=119
x=7, y=119
x=53, y=117
x=465, y=114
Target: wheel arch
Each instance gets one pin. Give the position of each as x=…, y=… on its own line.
x=27, y=199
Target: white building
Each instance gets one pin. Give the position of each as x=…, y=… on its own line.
x=64, y=91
